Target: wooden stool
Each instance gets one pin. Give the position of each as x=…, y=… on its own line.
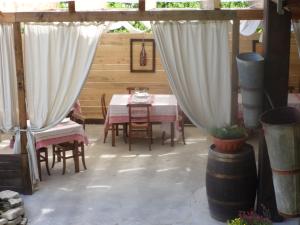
x=60, y=150
x=42, y=156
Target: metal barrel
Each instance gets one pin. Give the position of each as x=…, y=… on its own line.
x=251, y=76
x=231, y=181
x=282, y=132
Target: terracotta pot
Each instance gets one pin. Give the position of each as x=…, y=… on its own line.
x=228, y=145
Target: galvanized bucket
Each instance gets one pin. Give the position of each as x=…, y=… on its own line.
x=251, y=76
x=282, y=133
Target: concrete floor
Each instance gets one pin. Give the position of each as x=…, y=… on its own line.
x=165, y=186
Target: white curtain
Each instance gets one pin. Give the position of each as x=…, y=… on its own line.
x=296, y=26
x=8, y=80
x=57, y=61
x=195, y=56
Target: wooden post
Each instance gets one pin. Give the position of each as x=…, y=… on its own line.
x=142, y=5
x=71, y=6
x=217, y=4
x=27, y=185
x=277, y=31
x=234, y=72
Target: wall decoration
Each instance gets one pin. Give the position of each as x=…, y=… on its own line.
x=142, y=55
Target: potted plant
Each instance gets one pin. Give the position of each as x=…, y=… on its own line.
x=229, y=139
x=250, y=218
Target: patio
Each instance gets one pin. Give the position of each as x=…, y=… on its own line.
x=160, y=187
x=165, y=186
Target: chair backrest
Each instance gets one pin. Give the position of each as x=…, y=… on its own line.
x=132, y=89
x=139, y=113
x=103, y=106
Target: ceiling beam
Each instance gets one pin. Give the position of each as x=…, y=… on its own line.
x=156, y=15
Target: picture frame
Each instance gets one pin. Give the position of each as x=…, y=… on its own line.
x=137, y=48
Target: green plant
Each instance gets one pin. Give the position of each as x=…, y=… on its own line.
x=229, y=132
x=250, y=218
x=233, y=5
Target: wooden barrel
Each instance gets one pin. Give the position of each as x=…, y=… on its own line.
x=231, y=181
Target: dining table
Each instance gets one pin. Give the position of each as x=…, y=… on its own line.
x=164, y=109
x=65, y=131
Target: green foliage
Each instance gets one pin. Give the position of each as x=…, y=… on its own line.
x=229, y=132
x=250, y=218
x=62, y=5
x=120, y=5
x=178, y=5
x=232, y=5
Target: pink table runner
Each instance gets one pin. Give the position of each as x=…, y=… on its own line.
x=63, y=132
x=164, y=109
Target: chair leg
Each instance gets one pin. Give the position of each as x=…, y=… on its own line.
x=53, y=156
x=150, y=136
x=105, y=135
x=83, y=155
x=129, y=138
x=64, y=162
x=125, y=133
x=39, y=163
x=46, y=161
x=163, y=137
x=182, y=133
x=117, y=129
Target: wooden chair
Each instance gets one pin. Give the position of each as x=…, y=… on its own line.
x=60, y=151
x=139, y=122
x=42, y=156
x=181, y=123
x=107, y=129
x=131, y=89
x=76, y=115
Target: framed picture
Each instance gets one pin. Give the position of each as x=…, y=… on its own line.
x=142, y=55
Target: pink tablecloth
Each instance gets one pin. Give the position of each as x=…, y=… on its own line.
x=63, y=132
x=164, y=109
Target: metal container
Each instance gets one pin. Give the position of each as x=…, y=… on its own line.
x=251, y=76
x=282, y=133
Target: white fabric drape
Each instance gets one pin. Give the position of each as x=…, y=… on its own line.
x=195, y=56
x=296, y=26
x=8, y=80
x=57, y=61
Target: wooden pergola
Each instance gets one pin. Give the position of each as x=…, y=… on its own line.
x=275, y=38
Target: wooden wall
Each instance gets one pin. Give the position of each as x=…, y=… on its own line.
x=294, y=76
x=110, y=71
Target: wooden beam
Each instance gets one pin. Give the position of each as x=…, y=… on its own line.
x=277, y=53
x=234, y=71
x=157, y=15
x=27, y=185
x=71, y=7
x=142, y=5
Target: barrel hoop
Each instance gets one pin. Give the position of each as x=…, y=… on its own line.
x=227, y=160
x=286, y=172
x=248, y=106
x=251, y=88
x=224, y=176
x=228, y=203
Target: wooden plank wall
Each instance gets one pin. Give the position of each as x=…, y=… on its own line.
x=110, y=71
x=10, y=173
x=294, y=76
